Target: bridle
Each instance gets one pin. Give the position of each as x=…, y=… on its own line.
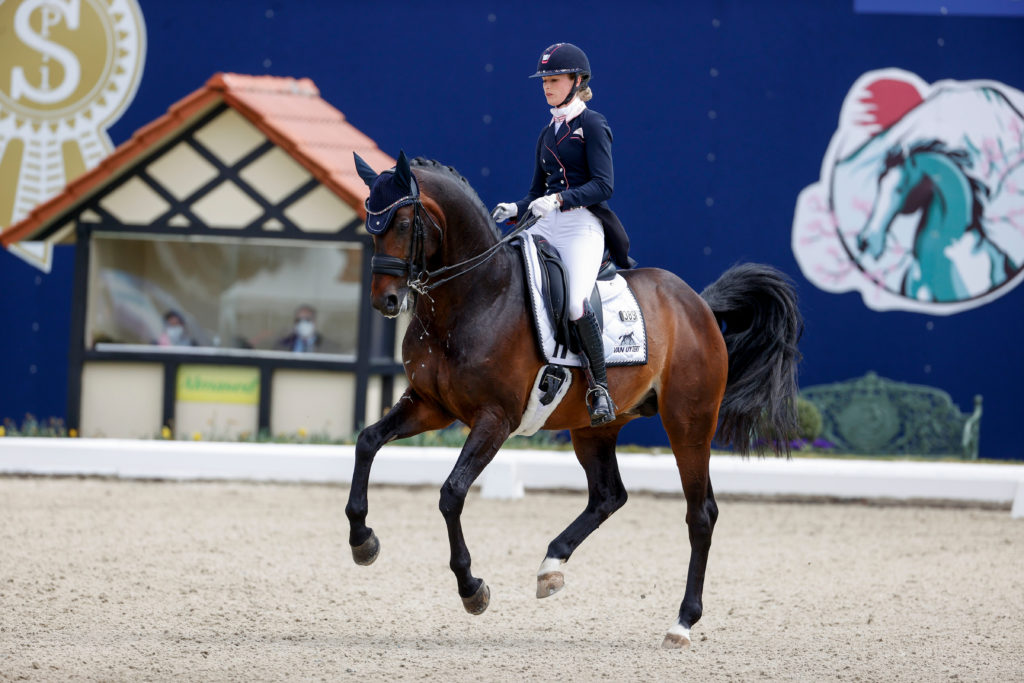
x=414, y=266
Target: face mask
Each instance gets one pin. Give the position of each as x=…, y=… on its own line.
x=305, y=329
x=175, y=333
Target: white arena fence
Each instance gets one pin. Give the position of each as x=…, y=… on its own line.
x=514, y=471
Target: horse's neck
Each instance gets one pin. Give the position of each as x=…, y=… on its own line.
x=474, y=287
x=952, y=203
x=465, y=238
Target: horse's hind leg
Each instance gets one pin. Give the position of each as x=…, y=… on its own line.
x=409, y=416
x=701, y=514
x=595, y=449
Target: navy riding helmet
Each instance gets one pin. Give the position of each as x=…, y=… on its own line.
x=564, y=58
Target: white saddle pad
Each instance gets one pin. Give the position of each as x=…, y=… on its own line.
x=625, y=332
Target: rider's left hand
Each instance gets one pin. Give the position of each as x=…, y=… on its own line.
x=542, y=206
x=502, y=212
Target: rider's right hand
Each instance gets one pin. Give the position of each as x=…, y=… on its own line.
x=502, y=212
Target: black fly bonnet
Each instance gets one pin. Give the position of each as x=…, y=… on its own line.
x=389, y=191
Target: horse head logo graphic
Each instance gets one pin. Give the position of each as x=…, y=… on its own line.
x=920, y=205
x=931, y=182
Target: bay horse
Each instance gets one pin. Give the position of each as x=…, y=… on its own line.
x=470, y=356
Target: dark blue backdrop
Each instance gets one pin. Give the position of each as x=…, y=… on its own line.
x=721, y=113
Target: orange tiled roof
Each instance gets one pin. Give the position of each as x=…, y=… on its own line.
x=288, y=111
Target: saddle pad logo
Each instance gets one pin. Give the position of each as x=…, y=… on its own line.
x=68, y=68
x=920, y=203
x=627, y=344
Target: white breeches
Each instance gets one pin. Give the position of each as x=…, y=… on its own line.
x=579, y=239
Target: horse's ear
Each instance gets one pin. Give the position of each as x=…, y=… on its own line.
x=403, y=174
x=365, y=171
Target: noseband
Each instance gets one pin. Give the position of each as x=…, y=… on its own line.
x=414, y=266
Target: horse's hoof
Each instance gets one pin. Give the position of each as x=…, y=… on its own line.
x=550, y=583
x=367, y=551
x=478, y=602
x=677, y=638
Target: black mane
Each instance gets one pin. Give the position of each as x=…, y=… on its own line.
x=897, y=156
x=443, y=169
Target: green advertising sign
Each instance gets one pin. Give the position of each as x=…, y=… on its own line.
x=218, y=384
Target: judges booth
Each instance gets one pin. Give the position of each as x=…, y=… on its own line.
x=200, y=243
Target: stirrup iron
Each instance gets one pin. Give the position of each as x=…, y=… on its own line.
x=600, y=406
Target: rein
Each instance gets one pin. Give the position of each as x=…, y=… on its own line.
x=418, y=275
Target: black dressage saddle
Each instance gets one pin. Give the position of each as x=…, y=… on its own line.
x=555, y=289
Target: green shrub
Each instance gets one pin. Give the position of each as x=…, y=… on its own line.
x=808, y=419
x=30, y=426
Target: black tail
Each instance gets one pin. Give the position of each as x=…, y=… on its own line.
x=757, y=309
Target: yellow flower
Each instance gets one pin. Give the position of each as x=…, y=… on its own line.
x=302, y=432
x=73, y=432
x=165, y=433
x=3, y=431
x=196, y=436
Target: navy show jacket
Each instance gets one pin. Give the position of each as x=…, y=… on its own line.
x=576, y=161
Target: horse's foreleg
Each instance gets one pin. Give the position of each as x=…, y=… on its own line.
x=701, y=514
x=595, y=449
x=483, y=442
x=408, y=417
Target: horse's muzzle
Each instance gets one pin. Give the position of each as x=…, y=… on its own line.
x=391, y=305
x=391, y=301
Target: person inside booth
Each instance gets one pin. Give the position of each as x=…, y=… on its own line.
x=174, y=333
x=304, y=337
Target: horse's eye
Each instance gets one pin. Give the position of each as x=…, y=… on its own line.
x=403, y=227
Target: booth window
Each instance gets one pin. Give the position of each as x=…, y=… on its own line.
x=227, y=294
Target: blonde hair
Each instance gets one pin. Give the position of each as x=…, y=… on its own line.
x=585, y=94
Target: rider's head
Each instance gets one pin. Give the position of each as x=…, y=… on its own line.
x=566, y=73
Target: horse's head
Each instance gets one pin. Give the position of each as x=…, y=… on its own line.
x=912, y=176
x=905, y=181
x=900, y=191
x=913, y=179
x=406, y=233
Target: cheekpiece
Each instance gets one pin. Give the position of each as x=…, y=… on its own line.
x=388, y=194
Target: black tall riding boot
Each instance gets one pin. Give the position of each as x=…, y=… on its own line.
x=599, y=402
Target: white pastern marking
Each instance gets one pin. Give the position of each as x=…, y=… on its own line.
x=679, y=630
x=550, y=564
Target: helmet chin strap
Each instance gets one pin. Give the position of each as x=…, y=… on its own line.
x=576, y=83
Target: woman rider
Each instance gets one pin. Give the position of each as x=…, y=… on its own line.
x=572, y=181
